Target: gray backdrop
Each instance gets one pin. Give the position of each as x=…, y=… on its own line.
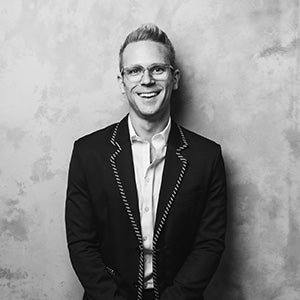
x=240, y=86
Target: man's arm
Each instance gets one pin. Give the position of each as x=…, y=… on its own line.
x=82, y=237
x=203, y=260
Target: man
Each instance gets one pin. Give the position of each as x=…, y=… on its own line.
x=146, y=198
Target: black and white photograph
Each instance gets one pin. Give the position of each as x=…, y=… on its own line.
x=149, y=150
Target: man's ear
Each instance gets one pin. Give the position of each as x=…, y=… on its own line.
x=176, y=77
x=121, y=84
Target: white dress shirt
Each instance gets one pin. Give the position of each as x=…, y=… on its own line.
x=148, y=160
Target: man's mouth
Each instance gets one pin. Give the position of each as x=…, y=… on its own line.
x=148, y=94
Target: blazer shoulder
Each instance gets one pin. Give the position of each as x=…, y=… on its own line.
x=100, y=137
x=199, y=142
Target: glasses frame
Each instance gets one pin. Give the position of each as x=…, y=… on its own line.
x=123, y=71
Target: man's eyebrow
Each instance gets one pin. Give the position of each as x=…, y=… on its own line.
x=135, y=65
x=153, y=64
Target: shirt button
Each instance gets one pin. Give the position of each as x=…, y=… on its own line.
x=147, y=179
x=144, y=238
x=147, y=209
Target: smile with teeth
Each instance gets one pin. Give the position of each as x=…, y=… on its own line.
x=148, y=94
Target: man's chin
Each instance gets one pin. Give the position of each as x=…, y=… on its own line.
x=148, y=106
x=152, y=115
x=148, y=113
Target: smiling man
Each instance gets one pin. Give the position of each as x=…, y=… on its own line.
x=146, y=198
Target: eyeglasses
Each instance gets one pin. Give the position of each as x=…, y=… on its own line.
x=157, y=71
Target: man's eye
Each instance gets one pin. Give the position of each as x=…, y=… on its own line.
x=134, y=71
x=158, y=70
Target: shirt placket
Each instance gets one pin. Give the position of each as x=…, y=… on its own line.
x=147, y=204
x=147, y=208
x=147, y=211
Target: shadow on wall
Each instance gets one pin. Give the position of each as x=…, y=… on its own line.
x=226, y=283
x=178, y=105
x=187, y=105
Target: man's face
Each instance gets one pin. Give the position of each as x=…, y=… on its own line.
x=148, y=98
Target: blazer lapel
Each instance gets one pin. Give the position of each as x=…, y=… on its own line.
x=122, y=165
x=174, y=169
x=123, y=169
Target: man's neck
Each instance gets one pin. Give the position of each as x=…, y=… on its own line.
x=146, y=129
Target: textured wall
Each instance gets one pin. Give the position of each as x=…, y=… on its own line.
x=240, y=86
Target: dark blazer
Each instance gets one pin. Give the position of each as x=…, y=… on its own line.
x=103, y=223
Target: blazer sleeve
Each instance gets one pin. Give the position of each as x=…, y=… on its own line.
x=82, y=237
x=203, y=260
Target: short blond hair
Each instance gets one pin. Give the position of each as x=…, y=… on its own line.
x=147, y=32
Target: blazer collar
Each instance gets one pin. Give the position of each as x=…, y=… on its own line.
x=176, y=139
x=121, y=133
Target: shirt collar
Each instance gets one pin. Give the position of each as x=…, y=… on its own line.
x=164, y=134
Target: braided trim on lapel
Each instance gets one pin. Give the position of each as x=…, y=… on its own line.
x=137, y=232
x=167, y=210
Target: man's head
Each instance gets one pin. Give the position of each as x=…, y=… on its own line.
x=148, y=73
x=148, y=32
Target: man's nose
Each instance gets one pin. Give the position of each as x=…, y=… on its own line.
x=147, y=79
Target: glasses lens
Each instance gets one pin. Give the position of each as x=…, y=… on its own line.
x=157, y=72
x=134, y=71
